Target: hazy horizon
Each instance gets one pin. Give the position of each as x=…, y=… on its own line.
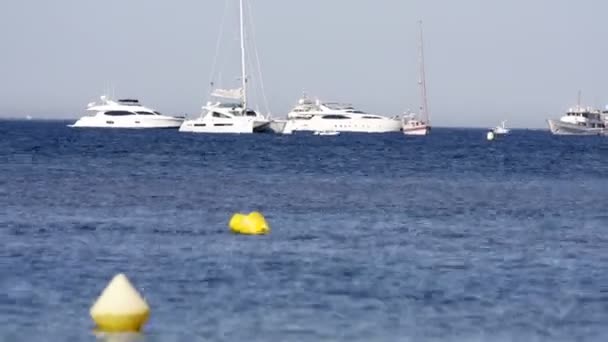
x=485, y=62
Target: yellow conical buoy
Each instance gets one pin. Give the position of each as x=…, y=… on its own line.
x=252, y=224
x=120, y=308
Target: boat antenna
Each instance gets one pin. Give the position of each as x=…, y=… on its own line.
x=578, y=101
x=424, y=108
x=243, y=63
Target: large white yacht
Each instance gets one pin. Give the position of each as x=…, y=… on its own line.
x=230, y=113
x=312, y=116
x=125, y=113
x=580, y=121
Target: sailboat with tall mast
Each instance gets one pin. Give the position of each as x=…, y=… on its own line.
x=230, y=114
x=419, y=124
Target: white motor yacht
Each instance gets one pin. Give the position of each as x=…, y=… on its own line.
x=312, y=116
x=125, y=113
x=580, y=120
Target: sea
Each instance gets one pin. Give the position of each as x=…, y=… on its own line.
x=374, y=237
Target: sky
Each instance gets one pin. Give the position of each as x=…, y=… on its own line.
x=522, y=61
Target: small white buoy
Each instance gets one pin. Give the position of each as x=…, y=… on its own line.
x=490, y=135
x=120, y=308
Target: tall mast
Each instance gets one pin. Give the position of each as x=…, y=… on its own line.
x=422, y=81
x=243, y=64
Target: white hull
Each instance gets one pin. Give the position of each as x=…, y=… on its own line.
x=342, y=125
x=236, y=125
x=277, y=126
x=563, y=128
x=128, y=121
x=419, y=130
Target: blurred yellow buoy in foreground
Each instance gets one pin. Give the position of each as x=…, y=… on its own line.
x=252, y=224
x=120, y=308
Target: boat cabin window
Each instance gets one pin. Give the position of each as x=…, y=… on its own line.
x=145, y=113
x=250, y=113
x=220, y=115
x=118, y=113
x=335, y=117
x=371, y=117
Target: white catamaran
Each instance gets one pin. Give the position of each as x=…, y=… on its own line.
x=231, y=114
x=419, y=124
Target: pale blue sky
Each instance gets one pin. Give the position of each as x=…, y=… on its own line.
x=521, y=60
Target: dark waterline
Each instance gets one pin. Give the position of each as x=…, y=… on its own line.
x=374, y=237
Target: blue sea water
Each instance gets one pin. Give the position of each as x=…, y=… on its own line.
x=374, y=237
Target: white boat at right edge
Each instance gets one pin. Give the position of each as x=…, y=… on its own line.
x=419, y=124
x=580, y=120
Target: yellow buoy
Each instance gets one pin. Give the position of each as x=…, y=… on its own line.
x=252, y=224
x=120, y=308
x=236, y=221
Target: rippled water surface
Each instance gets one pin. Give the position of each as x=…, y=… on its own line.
x=374, y=237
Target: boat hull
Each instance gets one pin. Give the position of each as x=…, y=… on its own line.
x=130, y=122
x=562, y=128
x=419, y=130
x=326, y=133
x=277, y=126
x=500, y=131
x=342, y=126
x=227, y=126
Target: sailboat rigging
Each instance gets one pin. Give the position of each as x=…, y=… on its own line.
x=419, y=124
